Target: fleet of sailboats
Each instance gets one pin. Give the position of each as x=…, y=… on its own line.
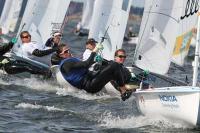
x=165, y=36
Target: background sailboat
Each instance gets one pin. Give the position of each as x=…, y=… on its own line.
x=82, y=28
x=109, y=22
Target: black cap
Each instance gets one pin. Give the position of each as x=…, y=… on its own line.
x=91, y=40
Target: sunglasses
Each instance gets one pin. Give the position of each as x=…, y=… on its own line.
x=121, y=56
x=66, y=52
x=27, y=36
x=60, y=36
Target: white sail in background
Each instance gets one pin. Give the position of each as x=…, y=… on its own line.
x=185, y=33
x=109, y=21
x=87, y=14
x=41, y=18
x=158, y=32
x=33, y=18
x=30, y=12
x=4, y=15
x=33, y=13
x=14, y=14
x=10, y=18
x=53, y=18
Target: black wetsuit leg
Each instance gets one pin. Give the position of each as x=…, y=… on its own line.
x=113, y=71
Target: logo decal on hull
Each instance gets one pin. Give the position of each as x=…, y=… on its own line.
x=169, y=101
x=167, y=98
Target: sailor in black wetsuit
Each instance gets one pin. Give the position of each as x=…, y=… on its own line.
x=76, y=71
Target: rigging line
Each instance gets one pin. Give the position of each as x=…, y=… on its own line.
x=104, y=36
x=166, y=15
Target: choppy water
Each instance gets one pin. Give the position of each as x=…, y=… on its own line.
x=31, y=105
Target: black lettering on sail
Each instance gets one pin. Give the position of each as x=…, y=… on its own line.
x=191, y=8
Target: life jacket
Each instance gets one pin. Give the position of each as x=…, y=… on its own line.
x=74, y=76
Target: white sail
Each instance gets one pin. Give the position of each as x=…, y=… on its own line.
x=53, y=18
x=185, y=34
x=87, y=14
x=33, y=13
x=14, y=14
x=176, y=100
x=109, y=21
x=4, y=15
x=41, y=18
x=30, y=11
x=11, y=16
x=158, y=32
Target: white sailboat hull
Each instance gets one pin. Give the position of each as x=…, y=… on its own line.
x=61, y=80
x=174, y=103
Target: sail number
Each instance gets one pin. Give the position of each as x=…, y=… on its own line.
x=191, y=8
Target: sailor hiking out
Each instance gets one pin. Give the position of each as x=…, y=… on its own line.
x=77, y=74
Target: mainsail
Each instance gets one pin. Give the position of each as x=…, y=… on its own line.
x=10, y=15
x=4, y=15
x=44, y=17
x=41, y=19
x=160, y=28
x=109, y=22
x=186, y=32
x=87, y=14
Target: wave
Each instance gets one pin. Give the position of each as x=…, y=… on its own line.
x=36, y=106
x=81, y=94
x=30, y=83
x=108, y=120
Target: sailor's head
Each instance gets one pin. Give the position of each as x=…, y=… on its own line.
x=120, y=56
x=64, y=51
x=57, y=37
x=91, y=43
x=25, y=36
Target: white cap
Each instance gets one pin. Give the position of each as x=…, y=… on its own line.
x=57, y=34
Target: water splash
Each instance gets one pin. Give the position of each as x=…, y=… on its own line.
x=110, y=121
x=35, y=84
x=81, y=93
x=36, y=106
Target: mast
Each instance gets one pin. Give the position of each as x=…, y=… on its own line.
x=196, y=59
